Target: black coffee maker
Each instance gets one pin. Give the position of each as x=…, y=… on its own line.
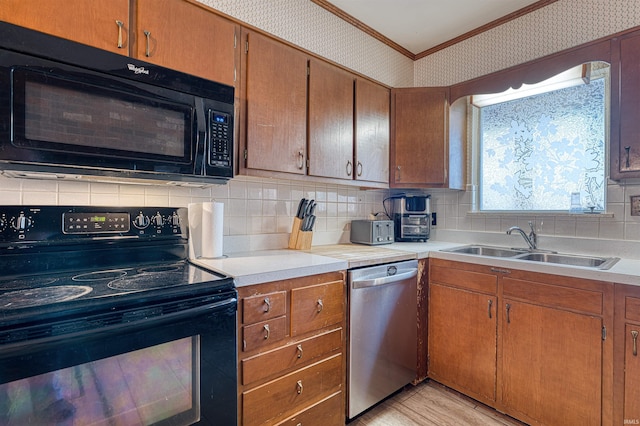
x=412, y=217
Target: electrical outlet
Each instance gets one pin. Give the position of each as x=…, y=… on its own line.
x=635, y=205
x=434, y=219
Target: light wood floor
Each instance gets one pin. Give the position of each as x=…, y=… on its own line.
x=431, y=404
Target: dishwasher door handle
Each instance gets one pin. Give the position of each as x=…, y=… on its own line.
x=386, y=279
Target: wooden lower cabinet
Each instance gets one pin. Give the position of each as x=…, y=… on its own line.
x=292, y=352
x=627, y=358
x=531, y=345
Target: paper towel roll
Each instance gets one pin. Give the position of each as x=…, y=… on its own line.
x=212, y=229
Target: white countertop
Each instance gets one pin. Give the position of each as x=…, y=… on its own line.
x=271, y=265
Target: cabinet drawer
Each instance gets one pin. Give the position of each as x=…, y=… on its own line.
x=556, y=296
x=264, y=333
x=263, y=307
x=269, y=363
x=283, y=397
x=317, y=306
x=632, y=308
x=485, y=283
x=325, y=413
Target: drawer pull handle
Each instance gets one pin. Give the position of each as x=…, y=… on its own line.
x=301, y=159
x=299, y=387
x=359, y=169
x=634, y=334
x=349, y=168
x=489, y=308
x=319, y=305
x=120, y=24
x=299, y=351
x=267, y=304
x=147, y=35
x=508, y=316
x=268, y=331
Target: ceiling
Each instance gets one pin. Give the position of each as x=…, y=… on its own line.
x=420, y=25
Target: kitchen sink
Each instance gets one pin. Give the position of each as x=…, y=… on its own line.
x=571, y=260
x=487, y=251
x=536, y=256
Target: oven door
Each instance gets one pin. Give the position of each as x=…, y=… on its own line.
x=167, y=369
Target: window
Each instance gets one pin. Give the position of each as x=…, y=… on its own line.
x=543, y=143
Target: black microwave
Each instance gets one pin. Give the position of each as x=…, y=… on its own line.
x=68, y=110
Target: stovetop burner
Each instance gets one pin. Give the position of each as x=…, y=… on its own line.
x=147, y=281
x=100, y=276
x=26, y=283
x=41, y=296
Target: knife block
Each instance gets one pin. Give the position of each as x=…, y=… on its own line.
x=299, y=240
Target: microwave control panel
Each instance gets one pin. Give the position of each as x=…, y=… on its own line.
x=221, y=137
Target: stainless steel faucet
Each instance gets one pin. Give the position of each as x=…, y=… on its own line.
x=531, y=239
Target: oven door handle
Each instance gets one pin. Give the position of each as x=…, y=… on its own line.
x=107, y=330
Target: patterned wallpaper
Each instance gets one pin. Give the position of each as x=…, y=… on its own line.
x=558, y=26
x=311, y=27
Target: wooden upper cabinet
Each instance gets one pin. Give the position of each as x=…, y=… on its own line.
x=419, y=147
x=625, y=92
x=94, y=22
x=275, y=96
x=185, y=37
x=371, y=132
x=330, y=121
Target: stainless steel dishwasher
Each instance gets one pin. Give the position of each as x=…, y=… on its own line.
x=382, y=332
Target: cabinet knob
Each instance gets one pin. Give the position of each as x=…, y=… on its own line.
x=319, y=305
x=267, y=304
x=299, y=387
x=299, y=351
x=267, y=331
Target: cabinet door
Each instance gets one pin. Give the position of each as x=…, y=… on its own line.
x=631, y=374
x=551, y=364
x=462, y=340
x=92, y=22
x=625, y=148
x=330, y=121
x=276, y=106
x=183, y=36
x=419, y=144
x=371, y=132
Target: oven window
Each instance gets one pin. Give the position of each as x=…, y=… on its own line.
x=142, y=387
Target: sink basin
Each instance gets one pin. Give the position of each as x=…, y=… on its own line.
x=487, y=251
x=571, y=260
x=536, y=256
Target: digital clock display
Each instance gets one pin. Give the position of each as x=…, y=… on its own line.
x=98, y=219
x=219, y=118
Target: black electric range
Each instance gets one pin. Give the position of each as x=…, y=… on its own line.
x=57, y=259
x=103, y=319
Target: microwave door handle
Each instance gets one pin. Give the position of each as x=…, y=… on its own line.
x=200, y=125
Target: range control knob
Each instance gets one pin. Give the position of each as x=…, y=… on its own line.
x=21, y=223
x=141, y=221
x=173, y=220
x=157, y=220
x=3, y=223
